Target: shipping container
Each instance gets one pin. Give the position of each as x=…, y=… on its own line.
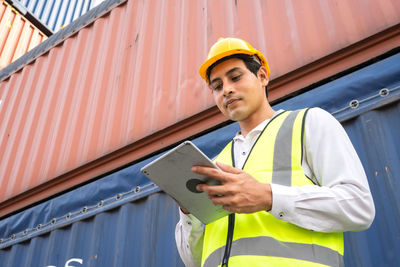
x=17, y=34
x=121, y=81
x=123, y=219
x=56, y=14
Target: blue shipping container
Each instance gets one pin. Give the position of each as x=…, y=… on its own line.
x=58, y=13
x=123, y=219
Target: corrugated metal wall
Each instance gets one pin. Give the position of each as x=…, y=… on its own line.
x=138, y=233
x=375, y=135
x=58, y=13
x=133, y=72
x=17, y=35
x=136, y=228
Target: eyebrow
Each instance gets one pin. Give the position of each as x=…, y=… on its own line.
x=226, y=74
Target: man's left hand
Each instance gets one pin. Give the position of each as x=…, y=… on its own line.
x=239, y=191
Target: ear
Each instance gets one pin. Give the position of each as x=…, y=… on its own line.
x=263, y=75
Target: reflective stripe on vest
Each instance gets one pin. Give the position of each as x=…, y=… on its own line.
x=268, y=246
x=282, y=171
x=275, y=157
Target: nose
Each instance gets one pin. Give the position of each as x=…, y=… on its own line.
x=228, y=89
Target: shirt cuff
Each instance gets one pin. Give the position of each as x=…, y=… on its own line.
x=283, y=202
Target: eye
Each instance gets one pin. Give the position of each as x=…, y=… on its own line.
x=216, y=86
x=236, y=78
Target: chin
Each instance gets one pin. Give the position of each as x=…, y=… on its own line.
x=236, y=116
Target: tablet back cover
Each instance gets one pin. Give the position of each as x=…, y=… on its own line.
x=172, y=173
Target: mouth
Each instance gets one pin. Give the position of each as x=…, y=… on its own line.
x=231, y=102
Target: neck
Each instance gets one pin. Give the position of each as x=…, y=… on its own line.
x=253, y=121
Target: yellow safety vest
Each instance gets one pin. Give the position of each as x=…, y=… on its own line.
x=259, y=239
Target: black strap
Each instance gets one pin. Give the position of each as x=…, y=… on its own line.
x=231, y=224
x=229, y=239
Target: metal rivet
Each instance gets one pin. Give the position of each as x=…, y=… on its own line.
x=354, y=104
x=68, y=216
x=38, y=227
x=1, y=240
x=53, y=221
x=100, y=204
x=137, y=189
x=384, y=92
x=118, y=197
x=13, y=237
x=84, y=209
x=25, y=232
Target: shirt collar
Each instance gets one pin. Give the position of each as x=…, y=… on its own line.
x=258, y=129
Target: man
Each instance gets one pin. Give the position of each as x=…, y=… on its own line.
x=292, y=180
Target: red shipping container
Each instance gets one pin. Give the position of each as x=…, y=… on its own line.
x=17, y=35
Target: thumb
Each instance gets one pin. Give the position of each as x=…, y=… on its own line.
x=227, y=168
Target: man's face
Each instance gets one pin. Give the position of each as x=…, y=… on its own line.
x=237, y=92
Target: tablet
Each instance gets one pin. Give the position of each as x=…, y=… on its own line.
x=172, y=173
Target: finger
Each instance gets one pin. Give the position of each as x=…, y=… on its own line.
x=221, y=200
x=213, y=190
x=229, y=208
x=211, y=172
x=228, y=168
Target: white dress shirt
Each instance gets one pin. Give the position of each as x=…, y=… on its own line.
x=341, y=200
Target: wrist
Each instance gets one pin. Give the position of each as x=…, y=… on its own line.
x=268, y=197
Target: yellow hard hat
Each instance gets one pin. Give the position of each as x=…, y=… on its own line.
x=230, y=46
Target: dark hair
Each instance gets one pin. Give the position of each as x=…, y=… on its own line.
x=251, y=64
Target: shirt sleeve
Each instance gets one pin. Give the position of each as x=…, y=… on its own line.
x=342, y=199
x=189, y=235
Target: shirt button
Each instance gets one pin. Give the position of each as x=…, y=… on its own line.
x=280, y=214
x=243, y=153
